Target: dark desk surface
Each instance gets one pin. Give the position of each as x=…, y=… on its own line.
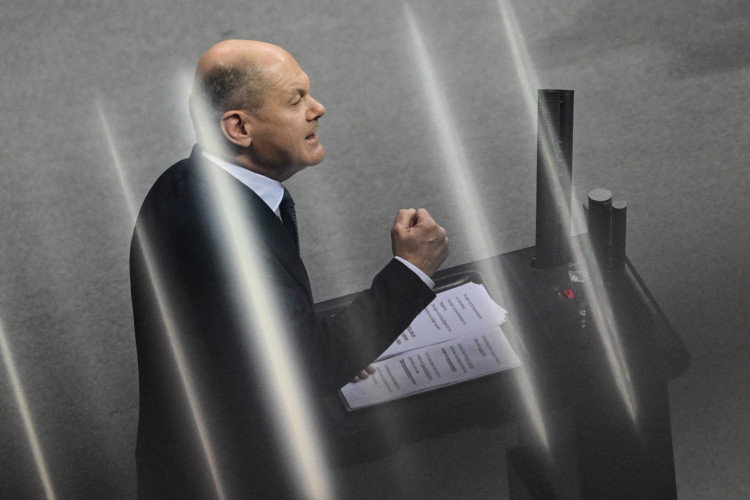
x=564, y=370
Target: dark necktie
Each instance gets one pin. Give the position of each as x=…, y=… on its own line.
x=289, y=216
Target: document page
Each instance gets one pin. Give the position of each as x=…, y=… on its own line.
x=455, y=338
x=455, y=312
x=467, y=357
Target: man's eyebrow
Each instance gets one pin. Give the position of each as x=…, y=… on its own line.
x=293, y=93
x=302, y=85
x=300, y=88
x=296, y=91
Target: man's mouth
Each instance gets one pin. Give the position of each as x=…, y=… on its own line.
x=312, y=137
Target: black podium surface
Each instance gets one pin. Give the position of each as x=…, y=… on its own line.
x=591, y=408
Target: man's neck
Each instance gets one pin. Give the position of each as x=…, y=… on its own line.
x=243, y=160
x=268, y=189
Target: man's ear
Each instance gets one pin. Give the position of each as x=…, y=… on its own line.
x=235, y=125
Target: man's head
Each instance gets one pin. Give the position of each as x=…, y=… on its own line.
x=251, y=104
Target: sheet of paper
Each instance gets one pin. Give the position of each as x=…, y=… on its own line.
x=467, y=357
x=455, y=312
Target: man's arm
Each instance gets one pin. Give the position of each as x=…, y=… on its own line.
x=378, y=315
x=422, y=244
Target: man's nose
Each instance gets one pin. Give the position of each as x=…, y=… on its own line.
x=315, y=111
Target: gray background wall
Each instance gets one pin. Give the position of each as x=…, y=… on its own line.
x=661, y=120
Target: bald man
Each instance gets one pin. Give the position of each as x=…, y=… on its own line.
x=206, y=426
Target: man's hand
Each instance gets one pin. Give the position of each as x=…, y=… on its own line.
x=364, y=374
x=417, y=238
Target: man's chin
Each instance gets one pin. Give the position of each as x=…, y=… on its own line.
x=302, y=166
x=318, y=158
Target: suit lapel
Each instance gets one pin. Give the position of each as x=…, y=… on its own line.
x=278, y=239
x=268, y=227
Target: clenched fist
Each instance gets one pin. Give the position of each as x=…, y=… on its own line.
x=417, y=238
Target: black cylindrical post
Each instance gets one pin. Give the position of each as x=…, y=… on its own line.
x=619, y=216
x=599, y=220
x=553, y=176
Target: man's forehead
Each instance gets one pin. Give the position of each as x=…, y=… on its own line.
x=289, y=79
x=301, y=82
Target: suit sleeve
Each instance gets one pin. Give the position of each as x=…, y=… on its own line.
x=356, y=335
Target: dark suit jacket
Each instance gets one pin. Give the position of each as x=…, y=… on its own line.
x=192, y=335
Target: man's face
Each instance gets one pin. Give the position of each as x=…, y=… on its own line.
x=283, y=128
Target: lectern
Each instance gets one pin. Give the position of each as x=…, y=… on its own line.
x=591, y=338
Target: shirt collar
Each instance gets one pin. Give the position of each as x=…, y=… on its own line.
x=269, y=190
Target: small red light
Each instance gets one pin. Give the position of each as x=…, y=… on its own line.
x=569, y=293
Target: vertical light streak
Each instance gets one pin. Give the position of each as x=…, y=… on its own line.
x=264, y=318
x=289, y=395
x=478, y=229
x=452, y=149
x=605, y=324
x=602, y=315
x=28, y=422
x=169, y=322
x=527, y=76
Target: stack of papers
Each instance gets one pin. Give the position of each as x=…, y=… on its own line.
x=456, y=338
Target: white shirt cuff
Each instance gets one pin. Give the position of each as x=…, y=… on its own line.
x=418, y=272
